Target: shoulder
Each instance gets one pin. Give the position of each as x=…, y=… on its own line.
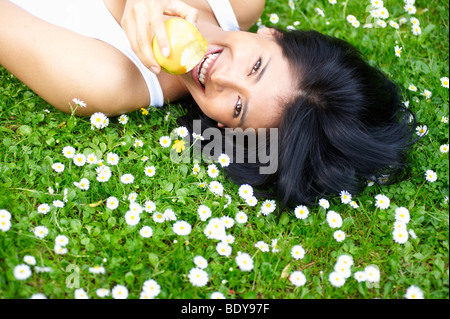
x=247, y=11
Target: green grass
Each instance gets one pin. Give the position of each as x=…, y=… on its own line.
x=33, y=134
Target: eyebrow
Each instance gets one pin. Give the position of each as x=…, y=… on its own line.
x=257, y=79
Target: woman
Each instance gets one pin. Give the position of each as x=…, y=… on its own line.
x=340, y=120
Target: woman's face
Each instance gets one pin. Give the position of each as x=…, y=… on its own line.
x=243, y=79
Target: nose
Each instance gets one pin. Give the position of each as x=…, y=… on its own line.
x=227, y=78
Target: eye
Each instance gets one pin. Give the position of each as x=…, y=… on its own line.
x=238, y=108
x=256, y=67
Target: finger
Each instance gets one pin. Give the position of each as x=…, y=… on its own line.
x=159, y=30
x=183, y=10
x=144, y=36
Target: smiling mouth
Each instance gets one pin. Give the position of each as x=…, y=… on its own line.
x=201, y=72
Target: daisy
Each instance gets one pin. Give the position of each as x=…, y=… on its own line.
x=372, y=273
x=251, y=201
x=430, y=176
x=400, y=235
x=38, y=296
x=158, y=217
x=5, y=225
x=112, y=202
x=99, y=120
x=381, y=23
x=68, y=151
x=200, y=262
x=414, y=21
x=351, y=18
x=135, y=207
x=123, y=119
x=414, y=292
x=344, y=271
x=198, y=137
x=336, y=279
x=320, y=12
x=169, y=214
x=83, y=184
x=444, y=119
x=426, y=93
x=30, y=260
x=360, y=276
x=217, y=295
x=301, y=212
x=40, y=231
x=410, y=8
x=443, y=148
x=204, y=212
x=412, y=87
x=132, y=197
x=132, y=218
x=127, y=179
x=244, y=261
x=151, y=287
x=356, y=24
x=274, y=18
x=80, y=293
x=60, y=250
x=333, y=2
x=79, y=102
x=228, y=222
x=165, y=141
x=224, y=160
x=384, y=13
x=216, y=187
x=268, y=206
x=297, y=252
x=182, y=228
x=398, y=51
x=79, y=159
x=354, y=204
x=334, y=219
x=198, y=277
x=182, y=131
x=97, y=270
x=22, y=272
x=223, y=249
x=91, y=159
x=215, y=229
x=58, y=167
x=119, y=292
x=262, y=246
x=102, y=292
x=395, y=25
x=346, y=197
x=213, y=172
x=149, y=206
x=422, y=130
x=344, y=261
x=416, y=30
x=377, y=3
x=150, y=171
x=402, y=215
x=228, y=239
x=4, y=214
x=444, y=82
x=339, y=235
x=399, y=225
x=61, y=240
x=245, y=191
x=241, y=217
x=43, y=208
x=196, y=169
x=324, y=203
x=274, y=245
x=297, y=278
x=382, y=201
x=146, y=232
x=138, y=143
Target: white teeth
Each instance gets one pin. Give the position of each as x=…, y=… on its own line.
x=204, y=67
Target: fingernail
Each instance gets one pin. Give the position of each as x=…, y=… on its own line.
x=165, y=52
x=154, y=69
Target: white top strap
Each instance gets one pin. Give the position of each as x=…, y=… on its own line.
x=224, y=14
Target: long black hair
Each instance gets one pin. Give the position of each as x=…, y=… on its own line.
x=345, y=126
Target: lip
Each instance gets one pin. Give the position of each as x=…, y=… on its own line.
x=194, y=71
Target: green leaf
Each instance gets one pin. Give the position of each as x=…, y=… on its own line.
x=25, y=130
x=153, y=259
x=76, y=225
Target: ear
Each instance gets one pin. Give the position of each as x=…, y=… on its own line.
x=270, y=32
x=220, y=125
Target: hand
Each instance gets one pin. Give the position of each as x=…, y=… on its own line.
x=143, y=19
